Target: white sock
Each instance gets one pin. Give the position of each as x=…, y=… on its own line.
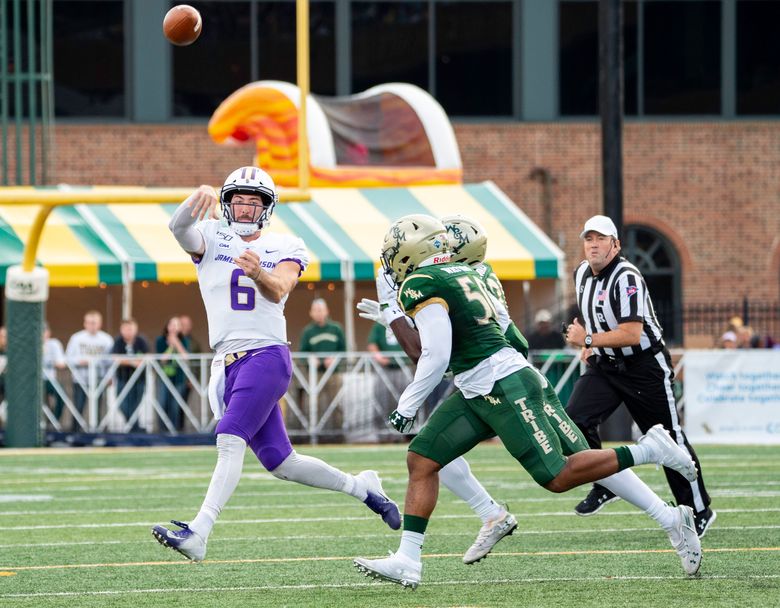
x=635, y=491
x=230, y=461
x=319, y=474
x=411, y=545
x=641, y=453
x=458, y=479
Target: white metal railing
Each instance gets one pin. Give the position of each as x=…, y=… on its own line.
x=346, y=400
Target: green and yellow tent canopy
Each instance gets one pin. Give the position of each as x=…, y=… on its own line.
x=86, y=245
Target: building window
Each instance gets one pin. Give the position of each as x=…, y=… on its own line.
x=578, y=31
x=680, y=60
x=474, y=58
x=226, y=48
x=89, y=58
x=206, y=72
x=658, y=261
x=389, y=44
x=682, y=45
x=758, y=57
x=276, y=35
x=25, y=62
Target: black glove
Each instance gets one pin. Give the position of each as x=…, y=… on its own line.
x=400, y=423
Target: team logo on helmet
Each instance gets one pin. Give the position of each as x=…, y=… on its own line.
x=457, y=235
x=410, y=241
x=468, y=240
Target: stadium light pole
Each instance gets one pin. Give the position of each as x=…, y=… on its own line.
x=611, y=108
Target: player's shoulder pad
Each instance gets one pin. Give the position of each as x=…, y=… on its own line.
x=417, y=288
x=214, y=228
x=287, y=245
x=419, y=279
x=278, y=239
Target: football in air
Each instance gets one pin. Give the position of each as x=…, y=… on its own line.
x=182, y=25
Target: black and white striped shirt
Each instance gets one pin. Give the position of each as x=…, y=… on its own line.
x=618, y=294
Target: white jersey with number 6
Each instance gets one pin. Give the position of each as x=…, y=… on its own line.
x=238, y=315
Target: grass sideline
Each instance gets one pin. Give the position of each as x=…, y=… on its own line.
x=74, y=531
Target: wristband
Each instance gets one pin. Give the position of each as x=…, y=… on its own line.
x=390, y=312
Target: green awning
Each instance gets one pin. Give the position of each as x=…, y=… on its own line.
x=85, y=245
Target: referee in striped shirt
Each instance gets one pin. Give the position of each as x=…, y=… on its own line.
x=627, y=362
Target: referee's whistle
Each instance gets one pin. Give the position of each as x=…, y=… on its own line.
x=564, y=328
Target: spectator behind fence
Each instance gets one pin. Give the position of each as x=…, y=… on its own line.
x=189, y=341
x=170, y=343
x=53, y=360
x=748, y=338
x=735, y=324
x=544, y=336
x=325, y=336
x=192, y=346
x=128, y=342
x=728, y=340
x=88, y=342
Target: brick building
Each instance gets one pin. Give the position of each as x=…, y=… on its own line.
x=711, y=190
x=519, y=77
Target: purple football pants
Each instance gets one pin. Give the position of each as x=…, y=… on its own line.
x=253, y=386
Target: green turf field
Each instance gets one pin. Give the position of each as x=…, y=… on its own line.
x=74, y=531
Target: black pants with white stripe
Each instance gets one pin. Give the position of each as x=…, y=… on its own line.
x=644, y=383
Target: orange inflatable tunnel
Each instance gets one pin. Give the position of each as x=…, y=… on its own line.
x=390, y=135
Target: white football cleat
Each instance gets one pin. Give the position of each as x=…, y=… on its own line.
x=490, y=533
x=396, y=568
x=688, y=546
x=667, y=453
x=185, y=541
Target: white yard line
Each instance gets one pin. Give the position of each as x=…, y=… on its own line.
x=553, y=498
x=306, y=587
x=394, y=535
x=295, y=520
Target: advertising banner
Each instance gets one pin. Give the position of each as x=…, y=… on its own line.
x=732, y=396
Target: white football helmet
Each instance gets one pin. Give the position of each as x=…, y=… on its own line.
x=410, y=241
x=468, y=240
x=254, y=181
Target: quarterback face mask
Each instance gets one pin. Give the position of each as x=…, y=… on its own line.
x=248, y=199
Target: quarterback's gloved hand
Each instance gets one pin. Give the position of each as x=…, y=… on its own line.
x=369, y=309
x=400, y=423
x=387, y=291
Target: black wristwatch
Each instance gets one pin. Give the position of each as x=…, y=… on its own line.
x=588, y=340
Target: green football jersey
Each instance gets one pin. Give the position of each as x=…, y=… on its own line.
x=493, y=284
x=476, y=334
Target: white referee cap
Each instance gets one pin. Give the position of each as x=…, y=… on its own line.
x=543, y=316
x=601, y=224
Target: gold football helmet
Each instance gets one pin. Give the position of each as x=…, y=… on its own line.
x=468, y=240
x=411, y=240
